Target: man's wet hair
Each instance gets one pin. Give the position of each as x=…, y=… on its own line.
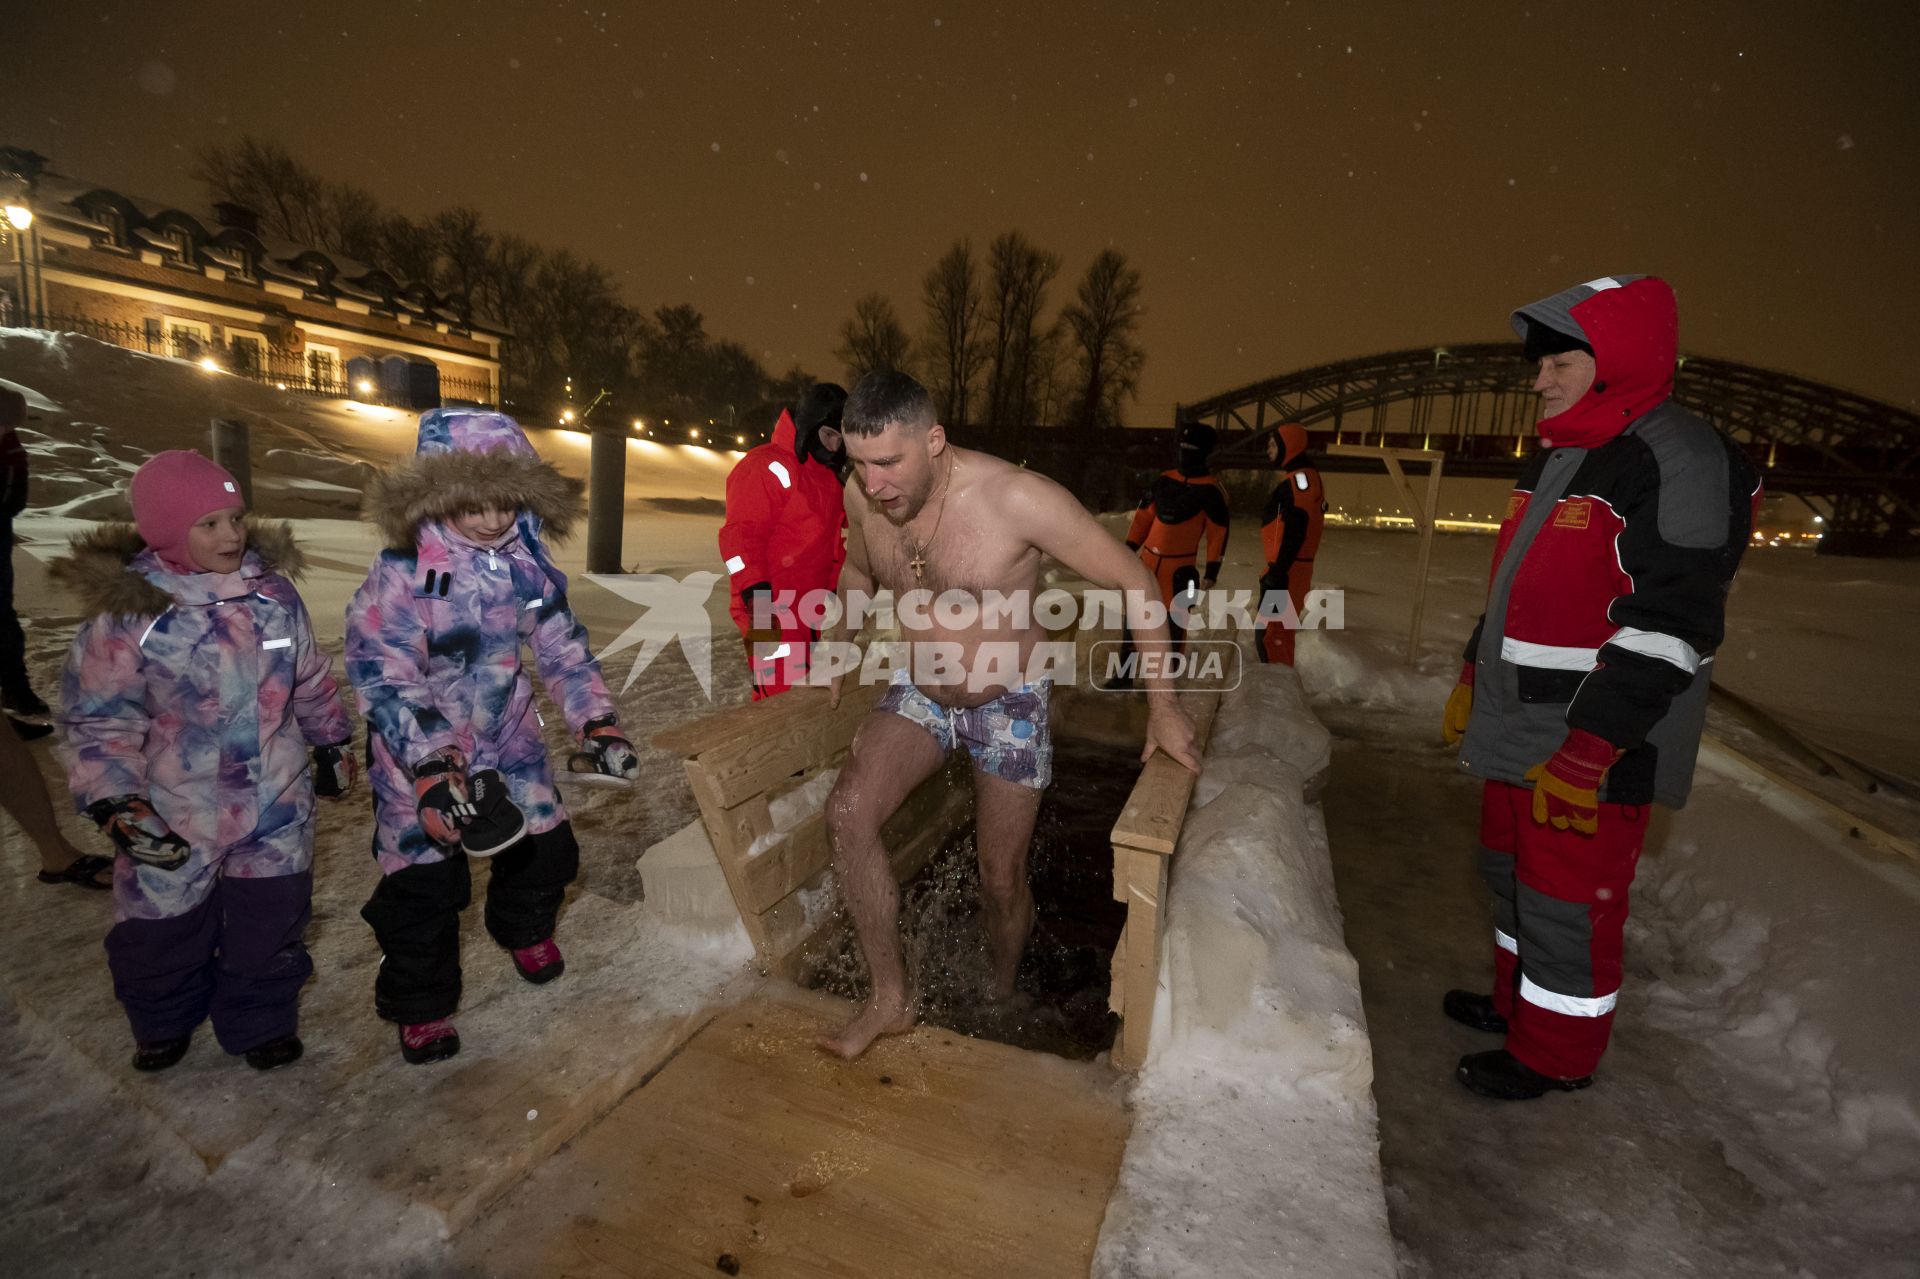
x=886, y=396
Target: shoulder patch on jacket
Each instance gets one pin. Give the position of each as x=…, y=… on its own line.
x=1690, y=457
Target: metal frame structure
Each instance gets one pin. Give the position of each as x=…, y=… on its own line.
x=1860, y=456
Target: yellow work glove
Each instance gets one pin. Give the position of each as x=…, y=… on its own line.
x=1453, y=721
x=1566, y=789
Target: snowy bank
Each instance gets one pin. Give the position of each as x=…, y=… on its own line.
x=1255, y=1148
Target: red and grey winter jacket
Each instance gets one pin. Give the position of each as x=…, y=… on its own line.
x=1611, y=572
x=785, y=526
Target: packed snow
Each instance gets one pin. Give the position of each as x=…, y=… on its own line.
x=1768, y=950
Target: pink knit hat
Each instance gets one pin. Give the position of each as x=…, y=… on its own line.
x=173, y=491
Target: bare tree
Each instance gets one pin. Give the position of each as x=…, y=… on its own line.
x=872, y=339
x=672, y=356
x=951, y=344
x=1016, y=294
x=409, y=250
x=1101, y=321
x=465, y=249
x=264, y=176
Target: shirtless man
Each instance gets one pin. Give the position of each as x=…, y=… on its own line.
x=924, y=515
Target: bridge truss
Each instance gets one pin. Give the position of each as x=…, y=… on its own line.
x=1853, y=460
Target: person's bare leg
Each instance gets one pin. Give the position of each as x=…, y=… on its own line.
x=891, y=755
x=1004, y=812
x=25, y=800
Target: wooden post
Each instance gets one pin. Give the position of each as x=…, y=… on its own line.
x=606, y=500
x=1423, y=516
x=230, y=450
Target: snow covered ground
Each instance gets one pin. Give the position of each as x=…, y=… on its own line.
x=1759, y=1111
x=1769, y=964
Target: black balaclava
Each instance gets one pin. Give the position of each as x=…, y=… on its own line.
x=1194, y=442
x=819, y=407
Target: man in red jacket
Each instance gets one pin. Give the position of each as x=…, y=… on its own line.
x=784, y=536
x=1585, y=685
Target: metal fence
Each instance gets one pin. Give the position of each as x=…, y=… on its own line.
x=311, y=373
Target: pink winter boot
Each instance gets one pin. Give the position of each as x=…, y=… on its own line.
x=539, y=963
x=428, y=1041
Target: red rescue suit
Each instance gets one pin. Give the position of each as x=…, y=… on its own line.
x=784, y=531
x=1178, y=513
x=1290, y=538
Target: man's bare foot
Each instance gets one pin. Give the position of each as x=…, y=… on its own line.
x=874, y=1021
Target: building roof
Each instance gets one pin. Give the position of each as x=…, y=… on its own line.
x=73, y=202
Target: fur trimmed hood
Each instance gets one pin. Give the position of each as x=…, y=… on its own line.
x=470, y=460
x=99, y=567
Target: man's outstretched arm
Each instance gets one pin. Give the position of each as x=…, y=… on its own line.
x=1048, y=517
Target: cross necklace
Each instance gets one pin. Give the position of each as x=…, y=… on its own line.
x=919, y=561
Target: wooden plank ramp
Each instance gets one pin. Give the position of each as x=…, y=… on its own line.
x=754, y=1153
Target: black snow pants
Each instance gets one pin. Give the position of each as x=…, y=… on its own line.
x=415, y=913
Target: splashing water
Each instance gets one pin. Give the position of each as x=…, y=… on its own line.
x=1060, y=999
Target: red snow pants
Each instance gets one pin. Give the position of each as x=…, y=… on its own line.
x=1559, y=908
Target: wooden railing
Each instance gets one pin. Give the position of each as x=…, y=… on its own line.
x=1143, y=842
x=740, y=761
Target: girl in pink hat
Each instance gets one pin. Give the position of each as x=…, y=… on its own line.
x=193, y=694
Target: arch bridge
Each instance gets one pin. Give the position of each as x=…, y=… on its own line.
x=1854, y=461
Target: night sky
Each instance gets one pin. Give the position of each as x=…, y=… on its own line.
x=1298, y=182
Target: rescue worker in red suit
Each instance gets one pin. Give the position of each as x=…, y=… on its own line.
x=1185, y=507
x=785, y=531
x=1289, y=538
x=1585, y=685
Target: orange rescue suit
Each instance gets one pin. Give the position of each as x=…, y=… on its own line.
x=1177, y=514
x=1290, y=537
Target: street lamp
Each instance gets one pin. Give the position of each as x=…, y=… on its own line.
x=20, y=217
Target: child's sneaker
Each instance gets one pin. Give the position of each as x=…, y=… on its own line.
x=161, y=1053
x=428, y=1041
x=495, y=823
x=539, y=963
x=276, y=1053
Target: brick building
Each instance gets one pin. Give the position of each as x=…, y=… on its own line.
x=178, y=282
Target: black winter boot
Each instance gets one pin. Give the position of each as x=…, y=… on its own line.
x=161, y=1053
x=1503, y=1077
x=275, y=1053
x=1473, y=1010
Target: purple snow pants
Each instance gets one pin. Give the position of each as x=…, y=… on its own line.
x=240, y=957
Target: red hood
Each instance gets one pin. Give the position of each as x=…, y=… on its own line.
x=786, y=435
x=1634, y=330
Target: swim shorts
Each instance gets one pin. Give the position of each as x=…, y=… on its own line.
x=1007, y=737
